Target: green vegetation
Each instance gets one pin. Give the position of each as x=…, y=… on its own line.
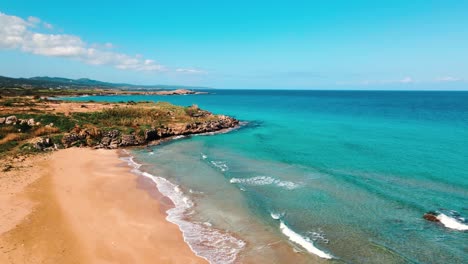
x=64, y=86
x=8, y=146
x=38, y=119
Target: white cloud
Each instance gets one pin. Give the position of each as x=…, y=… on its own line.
x=47, y=25
x=13, y=31
x=193, y=71
x=448, y=79
x=406, y=80
x=17, y=33
x=34, y=20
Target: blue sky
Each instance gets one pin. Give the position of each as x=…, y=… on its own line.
x=241, y=44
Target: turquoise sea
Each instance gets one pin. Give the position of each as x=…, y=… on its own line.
x=319, y=176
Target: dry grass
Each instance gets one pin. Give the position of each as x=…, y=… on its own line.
x=45, y=131
x=9, y=137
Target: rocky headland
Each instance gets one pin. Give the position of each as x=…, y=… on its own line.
x=36, y=124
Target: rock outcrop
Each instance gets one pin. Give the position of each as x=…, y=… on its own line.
x=92, y=136
x=431, y=216
x=177, y=92
x=222, y=122
x=72, y=139
x=130, y=140
x=42, y=143
x=31, y=122
x=11, y=120
x=110, y=139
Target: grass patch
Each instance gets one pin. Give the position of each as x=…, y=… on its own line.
x=8, y=146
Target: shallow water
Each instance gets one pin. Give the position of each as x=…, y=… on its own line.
x=316, y=174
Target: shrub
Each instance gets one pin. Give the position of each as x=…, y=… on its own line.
x=45, y=131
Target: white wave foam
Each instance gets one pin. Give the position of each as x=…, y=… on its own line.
x=265, y=180
x=196, y=192
x=452, y=223
x=223, y=131
x=276, y=216
x=318, y=236
x=203, y=156
x=221, y=165
x=205, y=241
x=131, y=162
x=303, y=242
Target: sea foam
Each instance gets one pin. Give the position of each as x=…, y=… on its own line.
x=275, y=216
x=303, y=242
x=221, y=165
x=210, y=243
x=265, y=180
x=452, y=223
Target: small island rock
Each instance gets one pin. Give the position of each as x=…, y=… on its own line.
x=431, y=216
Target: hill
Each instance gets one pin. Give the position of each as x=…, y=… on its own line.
x=82, y=83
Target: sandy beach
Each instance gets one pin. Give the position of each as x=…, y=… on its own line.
x=85, y=206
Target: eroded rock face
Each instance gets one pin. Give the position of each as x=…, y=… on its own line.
x=71, y=139
x=2, y=120
x=223, y=122
x=92, y=136
x=151, y=134
x=105, y=141
x=115, y=143
x=90, y=132
x=129, y=140
x=110, y=139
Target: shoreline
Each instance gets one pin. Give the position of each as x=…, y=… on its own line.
x=212, y=244
x=176, y=92
x=71, y=196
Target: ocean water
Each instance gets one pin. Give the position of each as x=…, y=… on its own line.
x=319, y=177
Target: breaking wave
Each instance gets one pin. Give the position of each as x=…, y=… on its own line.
x=266, y=180
x=452, y=223
x=304, y=242
x=221, y=165
x=214, y=245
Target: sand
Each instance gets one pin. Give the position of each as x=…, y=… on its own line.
x=84, y=206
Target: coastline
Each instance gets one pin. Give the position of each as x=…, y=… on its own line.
x=80, y=205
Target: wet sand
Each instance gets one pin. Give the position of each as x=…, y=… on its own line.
x=84, y=206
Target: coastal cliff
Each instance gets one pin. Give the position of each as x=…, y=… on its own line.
x=30, y=124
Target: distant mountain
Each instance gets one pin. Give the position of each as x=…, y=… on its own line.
x=83, y=83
